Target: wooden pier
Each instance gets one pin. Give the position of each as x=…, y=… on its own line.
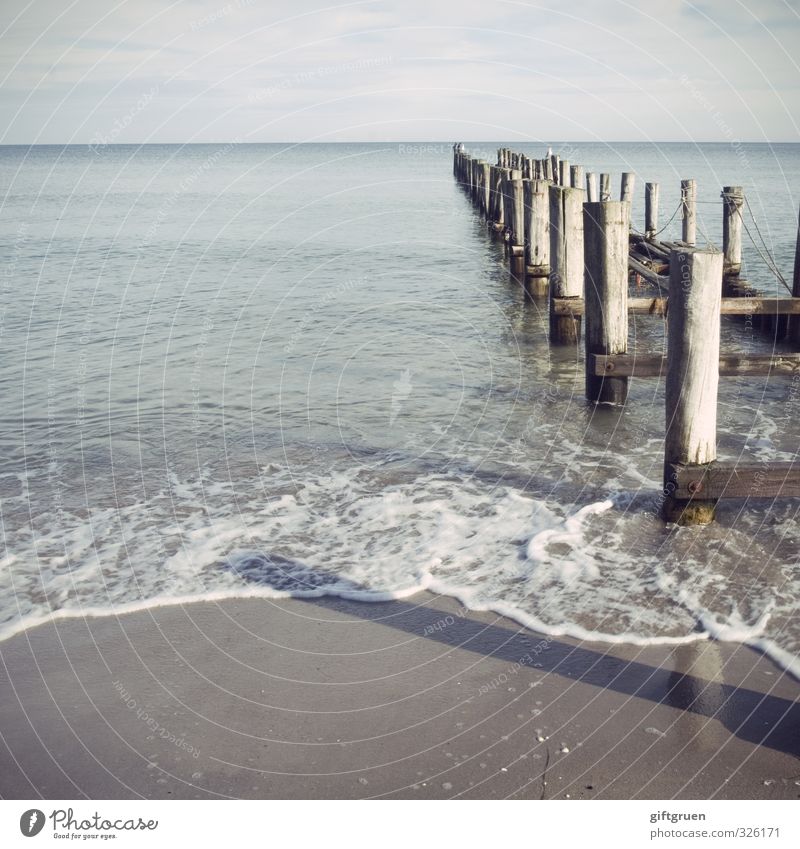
x=569, y=242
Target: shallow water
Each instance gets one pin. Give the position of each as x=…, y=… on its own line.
x=261, y=369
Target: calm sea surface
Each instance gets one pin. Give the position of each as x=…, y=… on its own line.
x=271, y=369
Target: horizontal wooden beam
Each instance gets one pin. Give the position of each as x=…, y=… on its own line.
x=743, y=480
x=658, y=306
x=749, y=305
x=730, y=365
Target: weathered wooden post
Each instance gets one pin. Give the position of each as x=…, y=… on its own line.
x=794, y=320
x=689, y=206
x=537, y=237
x=486, y=191
x=576, y=176
x=605, y=188
x=732, y=202
x=497, y=217
x=547, y=169
x=471, y=179
x=605, y=234
x=650, y=210
x=509, y=175
x=793, y=324
x=564, y=178
x=591, y=187
x=555, y=168
x=517, y=225
x=626, y=186
x=693, y=322
x=566, y=260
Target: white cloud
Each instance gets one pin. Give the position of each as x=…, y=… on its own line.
x=268, y=70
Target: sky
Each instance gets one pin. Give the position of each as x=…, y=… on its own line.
x=101, y=72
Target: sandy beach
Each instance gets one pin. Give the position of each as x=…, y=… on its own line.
x=406, y=699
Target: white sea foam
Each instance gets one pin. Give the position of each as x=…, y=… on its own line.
x=582, y=570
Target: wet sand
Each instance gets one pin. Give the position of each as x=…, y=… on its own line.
x=406, y=699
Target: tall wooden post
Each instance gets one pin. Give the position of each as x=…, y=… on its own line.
x=517, y=225
x=576, y=176
x=605, y=187
x=486, y=191
x=566, y=260
x=605, y=234
x=689, y=206
x=626, y=186
x=509, y=175
x=732, y=203
x=794, y=320
x=695, y=290
x=537, y=237
x=650, y=210
x=472, y=179
x=498, y=217
x=564, y=178
x=555, y=168
x=591, y=187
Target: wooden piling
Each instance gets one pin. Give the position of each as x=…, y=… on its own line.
x=693, y=331
x=591, y=187
x=794, y=321
x=537, y=237
x=732, y=203
x=626, y=186
x=517, y=224
x=555, y=171
x=566, y=260
x=485, y=181
x=510, y=175
x=689, y=206
x=650, y=210
x=576, y=176
x=564, y=177
x=605, y=233
x=497, y=211
x=605, y=188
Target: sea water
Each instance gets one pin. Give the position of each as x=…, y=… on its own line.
x=278, y=370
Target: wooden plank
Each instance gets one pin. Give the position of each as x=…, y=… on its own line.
x=658, y=306
x=638, y=306
x=749, y=305
x=730, y=365
x=743, y=480
x=648, y=273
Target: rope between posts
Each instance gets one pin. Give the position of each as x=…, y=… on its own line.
x=768, y=260
x=658, y=232
x=709, y=241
